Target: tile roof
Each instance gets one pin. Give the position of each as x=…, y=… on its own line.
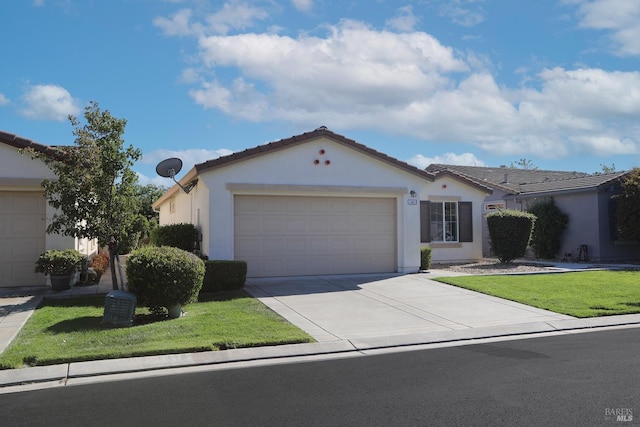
x=306, y=137
x=322, y=131
x=528, y=181
x=20, y=143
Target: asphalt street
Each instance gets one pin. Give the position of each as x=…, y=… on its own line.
x=579, y=379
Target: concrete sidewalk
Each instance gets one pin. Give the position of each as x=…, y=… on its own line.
x=350, y=316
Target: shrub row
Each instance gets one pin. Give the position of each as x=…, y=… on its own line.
x=183, y=236
x=224, y=275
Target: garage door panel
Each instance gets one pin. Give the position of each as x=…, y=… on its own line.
x=272, y=225
x=317, y=245
x=296, y=225
x=315, y=235
x=248, y=246
x=317, y=225
x=22, y=237
x=248, y=225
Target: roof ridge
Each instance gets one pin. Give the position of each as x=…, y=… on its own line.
x=318, y=132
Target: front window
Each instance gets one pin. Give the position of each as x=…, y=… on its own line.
x=444, y=221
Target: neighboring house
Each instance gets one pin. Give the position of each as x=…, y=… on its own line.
x=320, y=203
x=586, y=198
x=24, y=212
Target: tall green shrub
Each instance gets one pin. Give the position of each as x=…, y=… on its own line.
x=183, y=236
x=510, y=233
x=425, y=258
x=164, y=276
x=628, y=211
x=550, y=224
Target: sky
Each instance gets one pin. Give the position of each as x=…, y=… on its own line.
x=468, y=82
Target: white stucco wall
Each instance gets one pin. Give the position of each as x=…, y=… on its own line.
x=450, y=189
x=292, y=172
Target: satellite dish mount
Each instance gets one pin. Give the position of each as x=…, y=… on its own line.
x=169, y=168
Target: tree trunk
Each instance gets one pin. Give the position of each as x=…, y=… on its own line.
x=113, y=253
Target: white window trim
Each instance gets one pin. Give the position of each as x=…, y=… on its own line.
x=457, y=240
x=493, y=206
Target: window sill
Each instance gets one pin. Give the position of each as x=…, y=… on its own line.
x=445, y=245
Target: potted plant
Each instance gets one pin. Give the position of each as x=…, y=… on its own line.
x=59, y=265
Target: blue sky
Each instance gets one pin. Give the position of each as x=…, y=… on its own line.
x=475, y=82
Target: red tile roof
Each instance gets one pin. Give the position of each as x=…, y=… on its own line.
x=306, y=137
x=21, y=143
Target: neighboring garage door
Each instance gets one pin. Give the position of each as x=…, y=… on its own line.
x=291, y=235
x=22, y=237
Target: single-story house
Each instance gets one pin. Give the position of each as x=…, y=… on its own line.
x=24, y=212
x=320, y=203
x=588, y=199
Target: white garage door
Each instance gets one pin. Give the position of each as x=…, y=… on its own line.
x=290, y=236
x=22, y=234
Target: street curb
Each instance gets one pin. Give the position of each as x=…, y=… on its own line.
x=62, y=373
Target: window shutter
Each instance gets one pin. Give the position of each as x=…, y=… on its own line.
x=465, y=213
x=425, y=218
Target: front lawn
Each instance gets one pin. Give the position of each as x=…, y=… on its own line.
x=68, y=330
x=578, y=294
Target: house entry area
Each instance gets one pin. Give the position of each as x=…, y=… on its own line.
x=300, y=235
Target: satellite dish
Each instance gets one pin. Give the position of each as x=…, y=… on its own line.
x=168, y=168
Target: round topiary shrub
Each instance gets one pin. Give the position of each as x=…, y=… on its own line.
x=162, y=277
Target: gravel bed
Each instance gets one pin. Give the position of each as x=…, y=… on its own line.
x=493, y=267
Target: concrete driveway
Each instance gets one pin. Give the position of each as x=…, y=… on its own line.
x=333, y=308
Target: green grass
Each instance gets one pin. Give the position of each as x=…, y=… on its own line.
x=579, y=294
x=69, y=330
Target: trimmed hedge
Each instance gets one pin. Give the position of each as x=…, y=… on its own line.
x=425, y=258
x=164, y=276
x=183, y=236
x=224, y=275
x=510, y=233
x=550, y=224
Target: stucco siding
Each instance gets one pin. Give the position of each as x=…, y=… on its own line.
x=339, y=172
x=453, y=190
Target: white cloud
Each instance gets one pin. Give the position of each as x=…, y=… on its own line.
x=463, y=12
x=156, y=180
x=620, y=17
x=4, y=100
x=48, y=102
x=303, y=5
x=189, y=157
x=38, y=3
x=404, y=20
x=408, y=83
x=233, y=15
x=354, y=69
x=464, y=159
x=178, y=25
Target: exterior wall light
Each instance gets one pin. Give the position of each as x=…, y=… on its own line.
x=413, y=194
